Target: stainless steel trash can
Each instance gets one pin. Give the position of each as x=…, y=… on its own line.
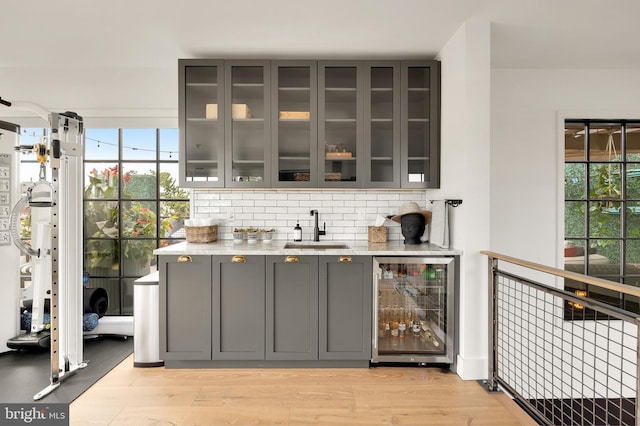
x=146, y=321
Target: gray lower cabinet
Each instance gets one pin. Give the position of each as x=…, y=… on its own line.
x=345, y=307
x=255, y=309
x=185, y=307
x=238, y=308
x=292, y=308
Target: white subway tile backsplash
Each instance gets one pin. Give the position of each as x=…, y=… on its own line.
x=344, y=196
x=209, y=196
x=266, y=203
x=347, y=213
x=298, y=196
x=232, y=195
x=365, y=197
x=320, y=196
x=405, y=197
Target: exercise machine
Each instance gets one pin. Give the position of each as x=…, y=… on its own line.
x=56, y=241
x=39, y=199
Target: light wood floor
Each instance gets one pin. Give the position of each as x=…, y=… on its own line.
x=374, y=396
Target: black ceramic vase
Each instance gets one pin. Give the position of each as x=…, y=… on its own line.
x=412, y=226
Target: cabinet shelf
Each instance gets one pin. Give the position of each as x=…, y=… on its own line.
x=419, y=89
x=248, y=120
x=340, y=89
x=202, y=161
x=248, y=161
x=381, y=158
x=294, y=158
x=294, y=89
x=200, y=119
x=418, y=158
x=382, y=120
x=201, y=84
x=382, y=89
x=340, y=159
x=294, y=120
x=418, y=120
x=247, y=85
x=340, y=120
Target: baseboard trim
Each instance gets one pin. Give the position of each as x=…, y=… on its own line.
x=472, y=368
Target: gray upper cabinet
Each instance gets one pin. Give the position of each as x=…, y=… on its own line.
x=201, y=121
x=292, y=308
x=345, y=307
x=382, y=124
x=185, y=307
x=238, y=308
x=247, y=124
x=294, y=128
x=340, y=115
x=309, y=124
x=420, y=146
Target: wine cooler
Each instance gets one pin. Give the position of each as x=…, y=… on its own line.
x=413, y=310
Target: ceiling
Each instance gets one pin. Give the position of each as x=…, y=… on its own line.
x=133, y=46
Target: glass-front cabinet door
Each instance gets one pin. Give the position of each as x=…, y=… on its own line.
x=382, y=124
x=247, y=123
x=294, y=97
x=340, y=114
x=420, y=128
x=201, y=85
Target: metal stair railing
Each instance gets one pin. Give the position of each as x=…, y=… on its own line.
x=562, y=366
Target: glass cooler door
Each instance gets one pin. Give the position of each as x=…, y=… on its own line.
x=413, y=310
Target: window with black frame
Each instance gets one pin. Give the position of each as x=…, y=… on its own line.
x=602, y=209
x=132, y=205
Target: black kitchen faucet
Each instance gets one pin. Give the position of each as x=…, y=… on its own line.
x=316, y=230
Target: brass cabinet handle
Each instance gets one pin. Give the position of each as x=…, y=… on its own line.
x=345, y=258
x=291, y=259
x=185, y=259
x=238, y=259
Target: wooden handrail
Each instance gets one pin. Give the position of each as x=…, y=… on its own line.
x=599, y=282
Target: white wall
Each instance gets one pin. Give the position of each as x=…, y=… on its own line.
x=528, y=108
x=465, y=162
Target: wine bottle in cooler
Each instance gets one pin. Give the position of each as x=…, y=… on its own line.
x=383, y=322
x=408, y=319
x=402, y=325
x=394, y=323
x=416, y=327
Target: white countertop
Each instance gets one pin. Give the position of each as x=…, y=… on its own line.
x=228, y=247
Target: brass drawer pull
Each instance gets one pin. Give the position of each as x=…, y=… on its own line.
x=291, y=259
x=185, y=259
x=345, y=258
x=239, y=259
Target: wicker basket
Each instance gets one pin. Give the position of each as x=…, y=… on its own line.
x=377, y=234
x=201, y=234
x=301, y=176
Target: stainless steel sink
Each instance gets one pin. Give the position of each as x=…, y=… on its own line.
x=316, y=246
